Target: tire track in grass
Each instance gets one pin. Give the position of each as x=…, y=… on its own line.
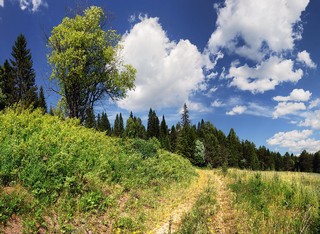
x=172, y=222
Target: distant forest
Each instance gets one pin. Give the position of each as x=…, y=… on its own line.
x=203, y=144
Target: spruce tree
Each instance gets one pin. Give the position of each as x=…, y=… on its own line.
x=7, y=79
x=164, y=135
x=153, y=128
x=121, y=125
x=24, y=74
x=116, y=126
x=90, y=118
x=42, y=101
x=105, y=124
x=185, y=116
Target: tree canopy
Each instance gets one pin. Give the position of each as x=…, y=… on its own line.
x=86, y=62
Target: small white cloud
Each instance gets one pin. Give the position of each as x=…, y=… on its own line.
x=314, y=103
x=217, y=103
x=265, y=76
x=312, y=119
x=295, y=141
x=258, y=110
x=295, y=95
x=168, y=73
x=1, y=3
x=237, y=110
x=304, y=57
x=32, y=5
x=286, y=108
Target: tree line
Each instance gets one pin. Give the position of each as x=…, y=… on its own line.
x=203, y=144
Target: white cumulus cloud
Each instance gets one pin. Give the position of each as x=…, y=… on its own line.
x=295, y=95
x=168, y=72
x=237, y=110
x=295, y=141
x=265, y=76
x=1, y=3
x=304, y=57
x=261, y=25
x=287, y=108
x=312, y=119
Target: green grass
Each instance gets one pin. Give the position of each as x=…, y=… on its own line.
x=282, y=202
x=65, y=177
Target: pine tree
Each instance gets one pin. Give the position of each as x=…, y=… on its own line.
x=153, y=128
x=105, y=124
x=164, y=135
x=234, y=147
x=121, y=125
x=42, y=101
x=24, y=74
x=7, y=79
x=186, y=137
x=90, y=119
x=118, y=125
x=185, y=121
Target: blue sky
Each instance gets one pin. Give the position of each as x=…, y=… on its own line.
x=251, y=65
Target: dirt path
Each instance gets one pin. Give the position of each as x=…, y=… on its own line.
x=172, y=222
x=224, y=219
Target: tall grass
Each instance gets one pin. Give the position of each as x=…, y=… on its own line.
x=276, y=202
x=64, y=177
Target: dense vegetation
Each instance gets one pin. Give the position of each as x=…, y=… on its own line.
x=57, y=168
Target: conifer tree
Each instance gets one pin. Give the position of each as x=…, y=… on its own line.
x=116, y=130
x=186, y=137
x=153, y=128
x=121, y=125
x=90, y=119
x=164, y=135
x=24, y=74
x=7, y=80
x=235, y=149
x=42, y=101
x=105, y=124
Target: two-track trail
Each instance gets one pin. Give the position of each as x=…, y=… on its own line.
x=222, y=221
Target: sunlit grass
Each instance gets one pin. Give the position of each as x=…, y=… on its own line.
x=275, y=202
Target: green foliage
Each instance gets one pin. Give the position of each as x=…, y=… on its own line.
x=62, y=164
x=199, y=153
x=85, y=62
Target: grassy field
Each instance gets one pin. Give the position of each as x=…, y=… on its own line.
x=275, y=202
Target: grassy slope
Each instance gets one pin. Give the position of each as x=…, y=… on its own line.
x=57, y=175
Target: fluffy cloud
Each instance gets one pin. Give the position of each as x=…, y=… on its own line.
x=265, y=76
x=237, y=110
x=286, y=108
x=304, y=57
x=295, y=95
x=295, y=141
x=261, y=25
x=314, y=103
x=167, y=72
x=32, y=5
x=312, y=119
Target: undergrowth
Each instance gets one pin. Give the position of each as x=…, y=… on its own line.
x=69, y=173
